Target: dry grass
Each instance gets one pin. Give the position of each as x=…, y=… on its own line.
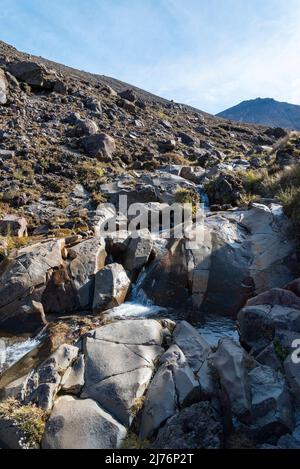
x=29, y=419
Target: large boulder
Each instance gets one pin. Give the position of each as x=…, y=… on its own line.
x=3, y=87
x=111, y=287
x=81, y=424
x=43, y=384
x=86, y=127
x=197, y=427
x=23, y=281
x=12, y=225
x=271, y=318
x=33, y=74
x=101, y=146
x=119, y=363
x=229, y=361
x=237, y=255
x=72, y=288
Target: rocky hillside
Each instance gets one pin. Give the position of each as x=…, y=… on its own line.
x=265, y=111
x=150, y=340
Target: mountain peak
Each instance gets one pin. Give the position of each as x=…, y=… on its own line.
x=265, y=111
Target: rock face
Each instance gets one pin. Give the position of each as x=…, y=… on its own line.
x=239, y=254
x=60, y=279
x=111, y=287
x=196, y=427
x=119, y=364
x=12, y=225
x=81, y=424
x=101, y=146
x=3, y=87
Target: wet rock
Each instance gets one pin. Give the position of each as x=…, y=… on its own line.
x=197, y=427
x=111, y=287
x=81, y=424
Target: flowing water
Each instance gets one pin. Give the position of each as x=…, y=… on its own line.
x=11, y=351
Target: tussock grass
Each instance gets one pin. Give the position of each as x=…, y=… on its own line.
x=29, y=419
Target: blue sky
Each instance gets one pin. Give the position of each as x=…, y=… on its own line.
x=208, y=53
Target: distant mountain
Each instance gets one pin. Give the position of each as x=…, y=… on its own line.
x=265, y=111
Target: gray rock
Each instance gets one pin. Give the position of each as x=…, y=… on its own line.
x=131, y=332
x=187, y=387
x=44, y=383
x=73, y=380
x=193, y=345
x=292, y=373
x=30, y=72
x=229, y=361
x=138, y=253
x=101, y=146
x=81, y=424
x=24, y=279
x=86, y=259
x=271, y=404
x=160, y=402
x=111, y=287
x=197, y=427
x=118, y=370
x=86, y=127
x=3, y=87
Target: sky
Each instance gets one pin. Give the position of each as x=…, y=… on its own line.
x=210, y=54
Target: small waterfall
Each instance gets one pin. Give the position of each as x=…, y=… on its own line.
x=138, y=304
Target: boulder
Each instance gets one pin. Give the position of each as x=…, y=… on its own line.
x=81, y=424
x=233, y=256
x=72, y=287
x=229, y=361
x=119, y=362
x=3, y=87
x=111, y=287
x=33, y=74
x=73, y=379
x=192, y=344
x=138, y=253
x=12, y=225
x=160, y=403
x=292, y=374
x=86, y=259
x=272, y=414
x=197, y=427
x=86, y=127
x=128, y=95
x=43, y=384
x=100, y=146
x=187, y=387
